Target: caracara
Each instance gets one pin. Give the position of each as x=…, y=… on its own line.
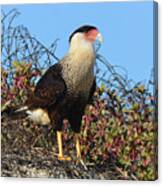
x=66, y=87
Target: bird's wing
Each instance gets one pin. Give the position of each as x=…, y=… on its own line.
x=50, y=89
x=92, y=90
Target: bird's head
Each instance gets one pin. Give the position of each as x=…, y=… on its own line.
x=83, y=38
x=86, y=33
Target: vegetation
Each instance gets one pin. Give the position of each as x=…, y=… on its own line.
x=119, y=127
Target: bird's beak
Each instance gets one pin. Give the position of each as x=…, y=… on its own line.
x=99, y=37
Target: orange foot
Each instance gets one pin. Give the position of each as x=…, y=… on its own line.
x=64, y=158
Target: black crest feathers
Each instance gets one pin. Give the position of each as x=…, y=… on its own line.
x=84, y=28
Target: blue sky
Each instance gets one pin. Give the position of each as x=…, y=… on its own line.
x=127, y=28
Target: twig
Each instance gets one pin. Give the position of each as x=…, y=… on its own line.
x=125, y=174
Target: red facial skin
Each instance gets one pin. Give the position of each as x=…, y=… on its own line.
x=91, y=35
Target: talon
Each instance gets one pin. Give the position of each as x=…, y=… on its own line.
x=64, y=158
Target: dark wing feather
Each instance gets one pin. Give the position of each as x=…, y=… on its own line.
x=50, y=88
x=92, y=91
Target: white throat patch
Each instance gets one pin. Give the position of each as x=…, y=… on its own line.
x=78, y=65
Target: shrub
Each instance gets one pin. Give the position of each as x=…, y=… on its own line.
x=120, y=123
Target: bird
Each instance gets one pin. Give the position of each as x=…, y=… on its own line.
x=66, y=88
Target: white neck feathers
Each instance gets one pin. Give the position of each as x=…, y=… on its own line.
x=80, y=48
x=78, y=65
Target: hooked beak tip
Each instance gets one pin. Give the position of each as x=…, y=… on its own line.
x=99, y=37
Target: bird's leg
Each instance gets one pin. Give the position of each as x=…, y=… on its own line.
x=60, y=155
x=78, y=150
x=59, y=138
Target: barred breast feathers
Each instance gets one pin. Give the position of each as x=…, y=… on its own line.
x=78, y=66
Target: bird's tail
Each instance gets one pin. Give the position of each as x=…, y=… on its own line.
x=15, y=113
